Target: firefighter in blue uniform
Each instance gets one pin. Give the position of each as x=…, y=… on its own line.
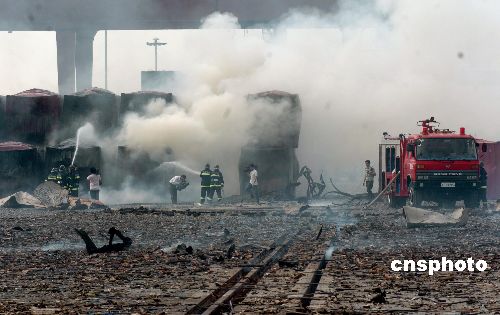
x=62, y=177
x=52, y=177
x=216, y=183
x=206, y=178
x=73, y=181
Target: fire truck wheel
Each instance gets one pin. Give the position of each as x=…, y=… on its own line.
x=472, y=201
x=415, y=197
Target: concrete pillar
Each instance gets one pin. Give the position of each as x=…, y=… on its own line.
x=84, y=59
x=66, y=61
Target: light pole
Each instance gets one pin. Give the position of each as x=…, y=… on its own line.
x=156, y=43
x=106, y=59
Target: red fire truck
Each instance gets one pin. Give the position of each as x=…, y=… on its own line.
x=436, y=165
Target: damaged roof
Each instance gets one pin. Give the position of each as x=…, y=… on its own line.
x=14, y=146
x=149, y=93
x=274, y=93
x=70, y=143
x=93, y=91
x=35, y=93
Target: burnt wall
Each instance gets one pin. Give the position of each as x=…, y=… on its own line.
x=136, y=102
x=31, y=116
x=20, y=168
x=96, y=106
x=278, y=169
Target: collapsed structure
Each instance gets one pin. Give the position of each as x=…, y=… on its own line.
x=273, y=143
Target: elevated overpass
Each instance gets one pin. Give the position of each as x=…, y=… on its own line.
x=77, y=21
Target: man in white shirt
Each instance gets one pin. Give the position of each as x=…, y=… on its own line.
x=254, y=182
x=369, y=178
x=94, y=183
x=177, y=183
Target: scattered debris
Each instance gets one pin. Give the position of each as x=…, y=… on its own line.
x=417, y=217
x=379, y=297
x=288, y=263
x=231, y=250
x=110, y=247
x=314, y=189
x=319, y=232
x=304, y=208
x=339, y=192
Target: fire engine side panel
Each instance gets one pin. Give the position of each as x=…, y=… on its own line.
x=389, y=151
x=491, y=160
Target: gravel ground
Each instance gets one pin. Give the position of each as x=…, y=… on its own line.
x=44, y=268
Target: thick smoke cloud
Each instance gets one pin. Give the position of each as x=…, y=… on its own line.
x=366, y=68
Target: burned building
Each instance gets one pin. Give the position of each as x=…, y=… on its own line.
x=20, y=167
x=96, y=106
x=31, y=116
x=274, y=138
x=137, y=101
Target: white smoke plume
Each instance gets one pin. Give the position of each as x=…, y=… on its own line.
x=366, y=68
x=361, y=71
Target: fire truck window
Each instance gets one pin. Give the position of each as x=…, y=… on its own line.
x=446, y=149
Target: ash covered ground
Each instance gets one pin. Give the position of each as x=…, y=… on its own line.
x=45, y=269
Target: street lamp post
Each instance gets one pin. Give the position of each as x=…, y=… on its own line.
x=156, y=43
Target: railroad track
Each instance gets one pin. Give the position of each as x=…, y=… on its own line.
x=236, y=287
x=262, y=273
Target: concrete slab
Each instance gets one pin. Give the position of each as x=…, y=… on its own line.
x=21, y=199
x=417, y=217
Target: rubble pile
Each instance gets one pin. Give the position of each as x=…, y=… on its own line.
x=51, y=194
x=20, y=199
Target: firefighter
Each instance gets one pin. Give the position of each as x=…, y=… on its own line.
x=369, y=178
x=73, y=180
x=62, y=176
x=206, y=178
x=483, y=182
x=216, y=183
x=177, y=183
x=52, y=177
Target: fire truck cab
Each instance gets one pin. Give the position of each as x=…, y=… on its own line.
x=436, y=165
